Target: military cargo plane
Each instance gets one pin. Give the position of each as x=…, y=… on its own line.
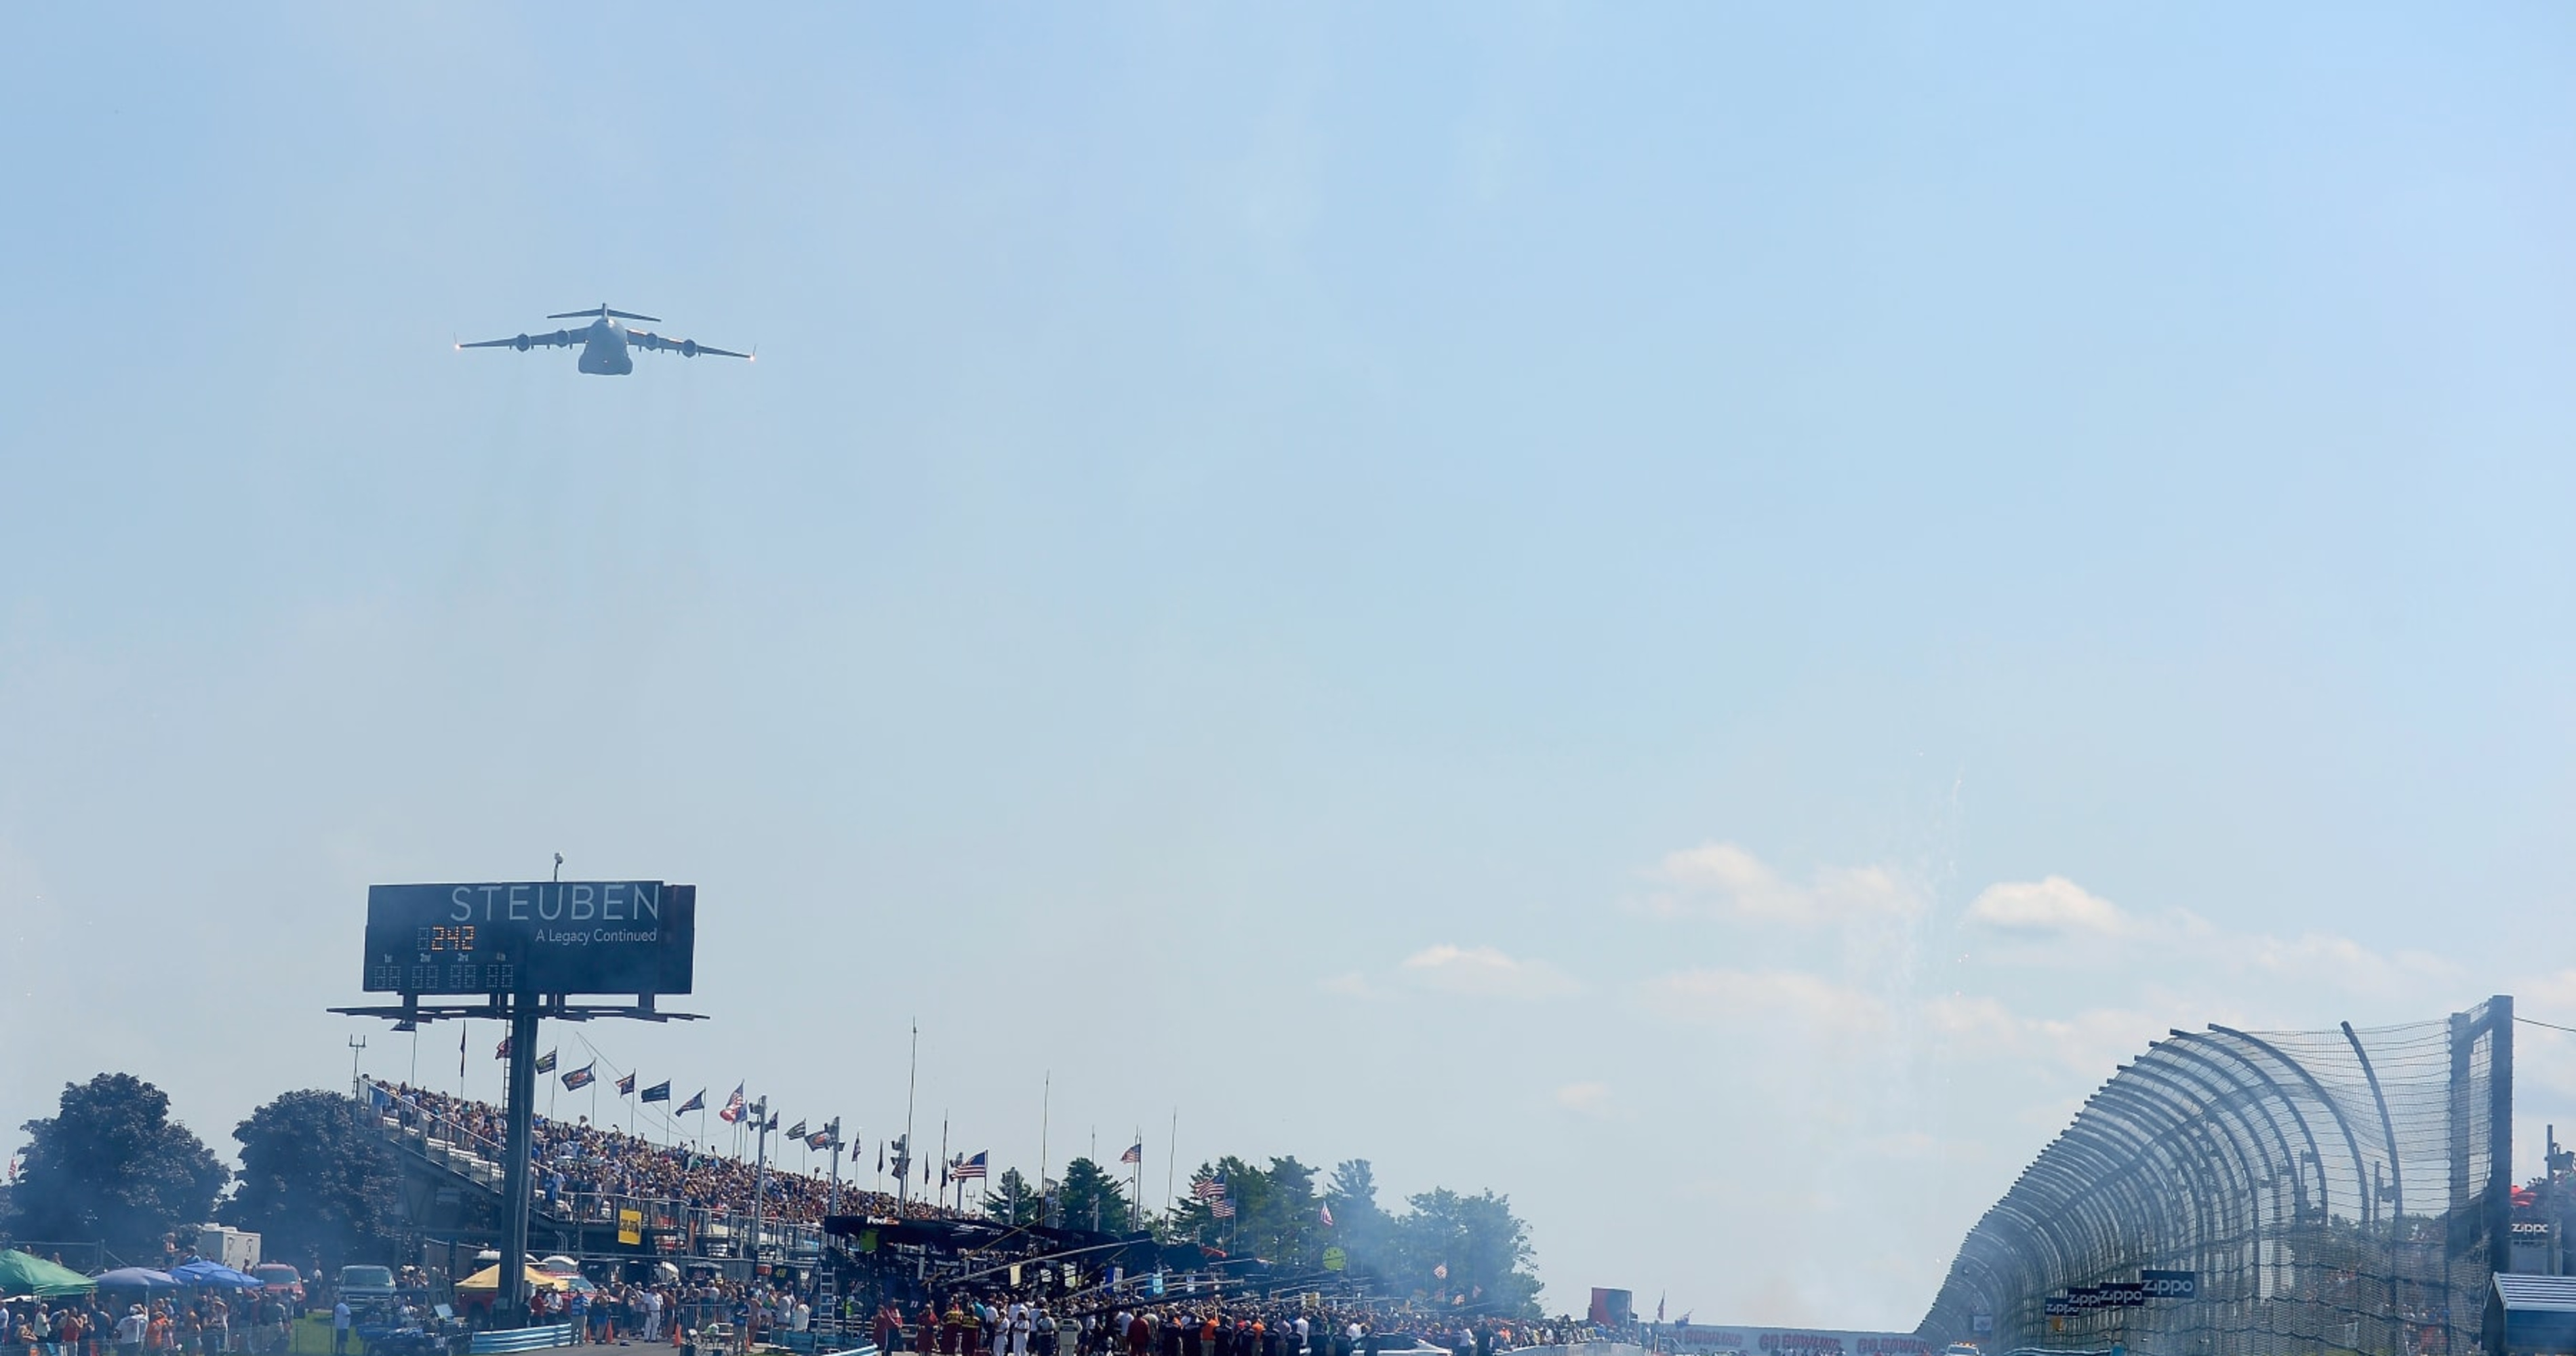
x=605, y=344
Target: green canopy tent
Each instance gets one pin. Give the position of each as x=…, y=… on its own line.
x=24, y=1273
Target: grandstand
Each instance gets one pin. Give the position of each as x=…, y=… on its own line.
x=2321, y=1191
x=599, y=1193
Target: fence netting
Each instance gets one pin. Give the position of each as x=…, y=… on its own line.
x=2344, y=1190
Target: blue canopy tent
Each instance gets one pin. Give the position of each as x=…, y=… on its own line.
x=204, y=1273
x=135, y=1278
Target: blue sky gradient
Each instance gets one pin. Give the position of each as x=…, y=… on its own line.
x=1699, y=615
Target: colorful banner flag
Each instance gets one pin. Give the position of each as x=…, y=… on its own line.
x=577, y=1078
x=626, y=1086
x=546, y=1062
x=697, y=1102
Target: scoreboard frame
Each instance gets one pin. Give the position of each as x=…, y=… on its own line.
x=488, y=938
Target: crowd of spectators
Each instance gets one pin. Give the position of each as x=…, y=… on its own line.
x=1008, y=1324
x=191, y=1323
x=582, y=1166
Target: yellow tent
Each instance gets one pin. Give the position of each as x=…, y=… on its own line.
x=489, y=1278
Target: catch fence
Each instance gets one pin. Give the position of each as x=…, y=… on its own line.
x=2336, y=1191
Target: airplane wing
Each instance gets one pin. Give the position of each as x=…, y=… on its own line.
x=686, y=348
x=524, y=342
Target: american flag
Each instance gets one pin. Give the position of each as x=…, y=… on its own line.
x=969, y=1167
x=504, y=1051
x=1208, y=1188
x=1221, y=1208
x=1328, y=1216
x=697, y=1102
x=732, y=1111
x=1135, y=1153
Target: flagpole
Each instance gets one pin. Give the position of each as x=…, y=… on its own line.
x=1171, y=1155
x=759, y=1181
x=1046, y=1106
x=945, y=1179
x=911, y=1082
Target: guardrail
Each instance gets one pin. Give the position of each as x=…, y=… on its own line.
x=523, y=1339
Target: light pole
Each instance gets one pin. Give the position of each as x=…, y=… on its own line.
x=356, y=1044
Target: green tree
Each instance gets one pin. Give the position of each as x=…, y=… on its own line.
x=112, y=1165
x=1196, y=1219
x=1284, y=1224
x=1092, y=1199
x=1012, y=1199
x=1476, y=1240
x=314, y=1183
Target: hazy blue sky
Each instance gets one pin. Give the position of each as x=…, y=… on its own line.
x=1700, y=615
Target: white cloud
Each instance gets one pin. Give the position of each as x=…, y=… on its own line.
x=1484, y=972
x=1591, y=1099
x=2041, y=921
x=1748, y=997
x=2052, y=907
x=1724, y=879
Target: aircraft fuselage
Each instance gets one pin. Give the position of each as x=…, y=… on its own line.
x=603, y=349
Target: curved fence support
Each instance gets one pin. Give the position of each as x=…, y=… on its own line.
x=2272, y=1168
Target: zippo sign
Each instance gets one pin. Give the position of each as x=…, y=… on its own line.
x=2170, y=1284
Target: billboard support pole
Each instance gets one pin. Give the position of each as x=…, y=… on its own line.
x=489, y=943
x=513, y=1296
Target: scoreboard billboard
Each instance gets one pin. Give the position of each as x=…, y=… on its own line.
x=532, y=937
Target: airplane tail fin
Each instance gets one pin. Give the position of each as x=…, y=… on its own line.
x=602, y=309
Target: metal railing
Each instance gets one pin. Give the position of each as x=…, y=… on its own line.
x=2292, y=1192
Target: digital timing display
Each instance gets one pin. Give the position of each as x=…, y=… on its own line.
x=446, y=939
x=562, y=937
